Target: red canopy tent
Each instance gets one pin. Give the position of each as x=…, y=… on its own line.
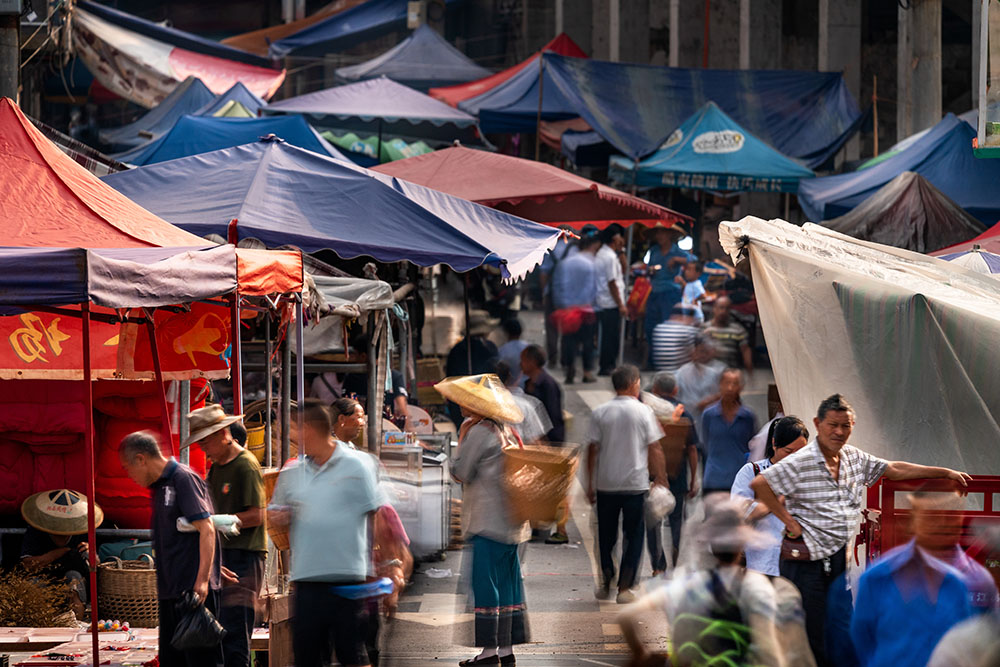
x=532, y=190
x=50, y=201
x=988, y=241
x=452, y=95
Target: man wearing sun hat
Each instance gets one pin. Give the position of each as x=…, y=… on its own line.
x=56, y=539
x=237, y=487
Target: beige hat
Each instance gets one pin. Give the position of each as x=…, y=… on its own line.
x=205, y=421
x=480, y=323
x=483, y=394
x=59, y=512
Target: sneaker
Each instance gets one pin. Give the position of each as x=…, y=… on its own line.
x=557, y=538
x=603, y=592
x=625, y=597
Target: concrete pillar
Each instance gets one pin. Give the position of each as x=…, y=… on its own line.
x=839, y=48
x=919, y=67
x=976, y=41
x=674, y=25
x=760, y=34
x=724, y=34
x=10, y=55
x=621, y=30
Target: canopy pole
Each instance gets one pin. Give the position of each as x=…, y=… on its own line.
x=374, y=420
x=268, y=448
x=161, y=392
x=875, y=111
x=468, y=339
x=236, y=358
x=538, y=118
x=184, y=427
x=378, y=155
x=628, y=265
x=788, y=198
x=88, y=421
x=300, y=369
x=286, y=401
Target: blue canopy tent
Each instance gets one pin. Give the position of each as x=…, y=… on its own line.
x=187, y=98
x=283, y=195
x=710, y=151
x=238, y=93
x=943, y=156
x=423, y=60
x=192, y=135
x=343, y=30
x=805, y=115
x=382, y=106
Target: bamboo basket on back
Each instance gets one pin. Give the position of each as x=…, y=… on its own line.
x=674, y=443
x=537, y=480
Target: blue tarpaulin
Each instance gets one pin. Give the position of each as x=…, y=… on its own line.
x=805, y=115
x=345, y=29
x=710, y=151
x=943, y=156
x=192, y=135
x=382, y=106
x=422, y=61
x=187, y=98
x=238, y=93
x=283, y=195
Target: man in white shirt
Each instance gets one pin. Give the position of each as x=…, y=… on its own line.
x=698, y=380
x=624, y=446
x=610, y=304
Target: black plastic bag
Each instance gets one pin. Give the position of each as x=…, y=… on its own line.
x=197, y=628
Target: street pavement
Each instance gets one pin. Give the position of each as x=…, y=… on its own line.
x=568, y=625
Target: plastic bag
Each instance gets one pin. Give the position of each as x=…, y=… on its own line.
x=659, y=503
x=198, y=628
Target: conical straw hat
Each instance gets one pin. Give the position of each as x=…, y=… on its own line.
x=60, y=512
x=483, y=394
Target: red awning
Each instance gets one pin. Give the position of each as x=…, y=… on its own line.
x=532, y=190
x=452, y=95
x=50, y=201
x=988, y=241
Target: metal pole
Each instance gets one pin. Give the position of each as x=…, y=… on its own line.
x=300, y=370
x=468, y=339
x=268, y=349
x=628, y=265
x=237, y=356
x=374, y=420
x=286, y=400
x=160, y=390
x=88, y=421
x=184, y=427
x=378, y=153
x=538, y=119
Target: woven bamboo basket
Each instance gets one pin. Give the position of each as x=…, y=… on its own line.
x=127, y=591
x=277, y=534
x=537, y=480
x=673, y=443
x=254, y=419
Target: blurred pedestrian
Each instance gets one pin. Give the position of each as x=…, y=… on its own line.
x=328, y=497
x=729, y=337
x=186, y=561
x=664, y=261
x=786, y=436
x=574, y=295
x=488, y=521
x=610, y=295
x=623, y=453
x=484, y=354
x=726, y=429
x=823, y=484
x=694, y=289
x=698, y=379
x=536, y=425
x=544, y=387
x=546, y=270
x=672, y=342
x=684, y=481
x=909, y=599
x=237, y=487
x=510, y=352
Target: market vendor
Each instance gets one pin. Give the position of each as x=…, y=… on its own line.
x=237, y=487
x=664, y=261
x=55, y=539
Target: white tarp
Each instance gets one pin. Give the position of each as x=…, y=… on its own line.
x=337, y=299
x=912, y=341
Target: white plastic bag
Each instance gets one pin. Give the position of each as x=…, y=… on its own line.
x=659, y=503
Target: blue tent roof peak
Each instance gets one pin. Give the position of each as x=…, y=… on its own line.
x=187, y=98
x=711, y=151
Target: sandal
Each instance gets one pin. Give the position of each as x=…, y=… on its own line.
x=492, y=660
x=507, y=660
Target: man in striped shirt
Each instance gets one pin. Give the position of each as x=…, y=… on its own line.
x=674, y=339
x=823, y=488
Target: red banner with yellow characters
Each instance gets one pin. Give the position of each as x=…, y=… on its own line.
x=45, y=345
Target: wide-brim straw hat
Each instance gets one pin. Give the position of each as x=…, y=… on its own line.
x=483, y=394
x=59, y=512
x=205, y=421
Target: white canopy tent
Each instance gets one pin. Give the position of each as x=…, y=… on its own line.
x=910, y=340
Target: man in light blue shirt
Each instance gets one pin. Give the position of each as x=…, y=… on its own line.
x=328, y=498
x=574, y=292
